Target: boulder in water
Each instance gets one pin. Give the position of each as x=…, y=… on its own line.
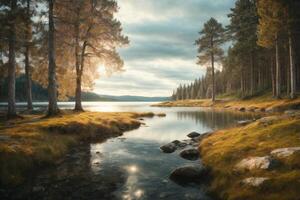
x=193, y=134
x=189, y=174
x=190, y=154
x=168, y=148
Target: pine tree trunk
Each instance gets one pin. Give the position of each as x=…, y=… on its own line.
x=27, y=62
x=11, y=113
x=278, y=70
x=252, y=75
x=292, y=68
x=213, y=98
x=52, y=85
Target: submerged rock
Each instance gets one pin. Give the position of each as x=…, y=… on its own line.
x=189, y=174
x=190, y=154
x=251, y=163
x=285, y=152
x=193, y=134
x=168, y=148
x=254, y=181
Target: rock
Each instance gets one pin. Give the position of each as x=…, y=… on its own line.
x=270, y=119
x=189, y=174
x=179, y=144
x=168, y=148
x=244, y=122
x=242, y=109
x=251, y=163
x=190, y=154
x=285, y=152
x=254, y=181
x=193, y=134
x=201, y=137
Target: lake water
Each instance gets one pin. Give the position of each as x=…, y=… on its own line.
x=132, y=165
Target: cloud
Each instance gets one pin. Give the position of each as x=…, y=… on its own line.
x=161, y=54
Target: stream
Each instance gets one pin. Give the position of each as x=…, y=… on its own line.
x=131, y=166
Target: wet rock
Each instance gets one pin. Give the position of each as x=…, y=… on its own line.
x=270, y=119
x=254, y=181
x=244, y=122
x=168, y=148
x=193, y=134
x=190, y=154
x=252, y=163
x=285, y=152
x=201, y=137
x=189, y=174
x=179, y=144
x=242, y=109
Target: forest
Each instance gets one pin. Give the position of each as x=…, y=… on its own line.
x=59, y=45
x=263, y=55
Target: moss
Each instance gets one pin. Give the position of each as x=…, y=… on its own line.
x=36, y=141
x=222, y=150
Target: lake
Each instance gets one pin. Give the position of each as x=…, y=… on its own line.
x=131, y=166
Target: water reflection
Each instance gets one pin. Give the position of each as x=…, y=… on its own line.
x=146, y=168
x=214, y=119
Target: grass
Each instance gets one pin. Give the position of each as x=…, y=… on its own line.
x=36, y=141
x=225, y=148
x=261, y=102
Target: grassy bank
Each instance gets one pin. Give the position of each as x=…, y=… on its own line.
x=34, y=141
x=261, y=103
x=222, y=151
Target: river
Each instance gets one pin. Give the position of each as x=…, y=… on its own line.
x=131, y=166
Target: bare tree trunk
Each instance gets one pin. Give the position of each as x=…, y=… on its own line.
x=278, y=70
x=79, y=72
x=27, y=62
x=52, y=85
x=292, y=68
x=11, y=113
x=78, y=104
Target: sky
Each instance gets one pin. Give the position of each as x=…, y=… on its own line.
x=161, y=54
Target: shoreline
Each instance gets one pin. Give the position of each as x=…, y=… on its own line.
x=34, y=142
x=252, y=160
x=260, y=104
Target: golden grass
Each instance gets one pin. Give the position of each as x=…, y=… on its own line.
x=225, y=148
x=35, y=141
x=265, y=102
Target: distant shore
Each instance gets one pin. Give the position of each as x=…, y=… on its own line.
x=260, y=104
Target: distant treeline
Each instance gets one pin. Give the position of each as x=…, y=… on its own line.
x=264, y=54
x=39, y=93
